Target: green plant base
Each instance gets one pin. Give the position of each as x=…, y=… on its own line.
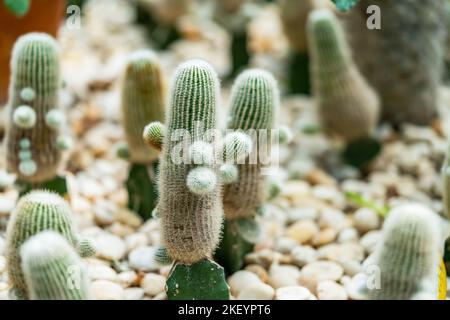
x=57, y=184
x=142, y=189
x=299, y=81
x=360, y=153
x=233, y=247
x=203, y=280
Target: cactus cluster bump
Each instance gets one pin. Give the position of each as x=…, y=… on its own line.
x=52, y=269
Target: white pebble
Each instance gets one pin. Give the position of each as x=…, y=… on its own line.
x=294, y=293
x=153, y=284
x=109, y=246
x=241, y=280
x=143, y=259
x=257, y=291
x=330, y=290
x=366, y=219
x=107, y=290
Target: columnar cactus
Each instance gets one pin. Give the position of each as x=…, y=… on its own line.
x=52, y=269
x=142, y=102
x=409, y=255
x=404, y=59
x=348, y=107
x=33, y=137
x=35, y=212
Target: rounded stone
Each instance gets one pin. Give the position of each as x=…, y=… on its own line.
x=330, y=290
x=294, y=293
x=153, y=284
x=107, y=290
x=302, y=231
x=318, y=271
x=365, y=219
x=240, y=280
x=257, y=291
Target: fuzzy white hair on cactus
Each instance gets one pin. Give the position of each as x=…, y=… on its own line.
x=54, y=119
x=24, y=117
x=201, y=181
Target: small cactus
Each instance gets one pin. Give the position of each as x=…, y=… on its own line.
x=348, y=107
x=409, y=255
x=190, y=205
x=254, y=104
x=403, y=60
x=52, y=269
x=33, y=152
x=142, y=102
x=35, y=212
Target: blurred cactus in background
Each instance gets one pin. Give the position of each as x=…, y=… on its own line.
x=404, y=59
x=143, y=98
x=409, y=255
x=34, y=137
x=52, y=269
x=35, y=212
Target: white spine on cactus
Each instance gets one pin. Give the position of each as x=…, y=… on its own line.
x=229, y=173
x=201, y=152
x=24, y=117
x=237, y=146
x=201, y=180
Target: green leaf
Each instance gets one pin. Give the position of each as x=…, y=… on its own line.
x=203, y=280
x=359, y=200
x=345, y=5
x=18, y=7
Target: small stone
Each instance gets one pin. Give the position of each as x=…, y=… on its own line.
x=259, y=271
x=325, y=236
x=102, y=272
x=303, y=255
x=285, y=245
x=351, y=267
x=127, y=278
x=153, y=284
x=348, y=235
x=357, y=287
x=366, y=219
x=109, y=247
x=296, y=189
x=264, y=257
x=283, y=276
x=257, y=291
x=330, y=290
x=2, y=245
x=7, y=205
x=240, y=280
x=143, y=259
x=135, y=240
x=296, y=214
x=318, y=271
x=293, y=293
x=107, y=290
x=329, y=194
x=370, y=241
x=302, y=231
x=134, y=293
x=344, y=251
x=2, y=264
x=332, y=218
x=120, y=230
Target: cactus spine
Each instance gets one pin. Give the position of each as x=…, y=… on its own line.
x=408, y=256
x=403, y=60
x=142, y=102
x=35, y=212
x=348, y=107
x=52, y=269
x=33, y=137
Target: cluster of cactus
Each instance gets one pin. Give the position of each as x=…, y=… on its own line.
x=143, y=91
x=404, y=59
x=347, y=105
x=409, y=255
x=35, y=212
x=34, y=139
x=52, y=269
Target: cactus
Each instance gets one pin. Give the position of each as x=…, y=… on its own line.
x=345, y=5
x=190, y=205
x=35, y=212
x=52, y=269
x=404, y=59
x=409, y=255
x=254, y=104
x=142, y=102
x=33, y=136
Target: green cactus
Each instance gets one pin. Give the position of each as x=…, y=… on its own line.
x=404, y=59
x=143, y=98
x=52, y=269
x=254, y=104
x=35, y=212
x=190, y=205
x=409, y=255
x=345, y=5
x=34, y=142
x=18, y=7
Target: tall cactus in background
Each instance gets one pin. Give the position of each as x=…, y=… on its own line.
x=404, y=59
x=52, y=269
x=348, y=107
x=33, y=137
x=255, y=100
x=143, y=100
x=35, y=212
x=409, y=255
x=294, y=15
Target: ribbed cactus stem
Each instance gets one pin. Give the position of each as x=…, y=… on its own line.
x=35, y=119
x=52, y=269
x=409, y=254
x=35, y=212
x=142, y=102
x=255, y=100
x=348, y=107
x=190, y=220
